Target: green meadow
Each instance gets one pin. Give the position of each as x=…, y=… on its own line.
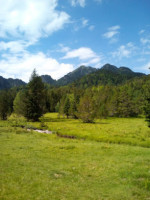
x=132, y=131
x=106, y=160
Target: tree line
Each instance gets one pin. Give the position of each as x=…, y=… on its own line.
x=131, y=99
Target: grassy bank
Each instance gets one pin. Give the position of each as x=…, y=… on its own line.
x=132, y=131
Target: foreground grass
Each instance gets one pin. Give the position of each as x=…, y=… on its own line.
x=132, y=131
x=37, y=166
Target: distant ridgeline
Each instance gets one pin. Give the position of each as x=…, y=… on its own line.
x=82, y=77
x=9, y=83
x=107, y=75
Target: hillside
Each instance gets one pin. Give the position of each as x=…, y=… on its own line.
x=9, y=83
x=75, y=75
x=107, y=75
x=48, y=79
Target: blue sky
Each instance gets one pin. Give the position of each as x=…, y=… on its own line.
x=57, y=36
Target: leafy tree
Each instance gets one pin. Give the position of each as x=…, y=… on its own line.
x=73, y=109
x=20, y=106
x=66, y=107
x=57, y=107
x=147, y=111
x=102, y=96
x=147, y=104
x=86, y=109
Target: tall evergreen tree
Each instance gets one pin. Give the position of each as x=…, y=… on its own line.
x=4, y=105
x=35, y=100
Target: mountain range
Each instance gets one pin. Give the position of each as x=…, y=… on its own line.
x=82, y=77
x=10, y=82
x=107, y=75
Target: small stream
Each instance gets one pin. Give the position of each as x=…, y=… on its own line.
x=40, y=131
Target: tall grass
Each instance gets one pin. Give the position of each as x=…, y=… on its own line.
x=132, y=131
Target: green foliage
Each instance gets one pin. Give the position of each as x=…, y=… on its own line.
x=4, y=105
x=147, y=104
x=123, y=103
x=17, y=120
x=147, y=111
x=73, y=108
x=107, y=75
x=20, y=103
x=109, y=97
x=35, y=100
x=66, y=107
x=30, y=102
x=53, y=97
x=57, y=107
x=86, y=109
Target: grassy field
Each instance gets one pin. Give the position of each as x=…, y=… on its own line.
x=37, y=166
x=133, y=131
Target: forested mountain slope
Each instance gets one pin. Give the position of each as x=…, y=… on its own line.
x=107, y=75
x=75, y=75
x=9, y=83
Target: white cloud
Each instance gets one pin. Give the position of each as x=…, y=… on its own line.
x=14, y=46
x=85, y=55
x=84, y=22
x=112, y=31
x=23, y=23
x=114, y=28
x=22, y=67
x=91, y=28
x=82, y=53
x=147, y=67
x=78, y=2
x=124, y=51
x=80, y=24
x=30, y=19
x=63, y=49
x=141, y=31
x=145, y=41
x=112, y=34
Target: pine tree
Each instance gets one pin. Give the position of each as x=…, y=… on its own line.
x=35, y=100
x=4, y=105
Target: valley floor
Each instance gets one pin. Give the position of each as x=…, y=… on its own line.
x=44, y=166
